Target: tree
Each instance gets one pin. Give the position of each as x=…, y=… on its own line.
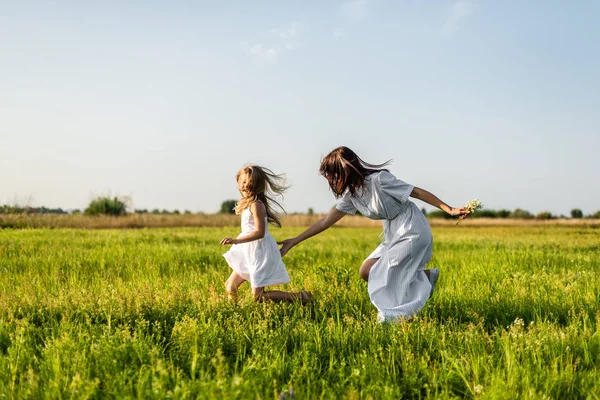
x=576, y=213
x=107, y=206
x=545, y=215
x=311, y=211
x=520, y=214
x=439, y=214
x=503, y=213
x=227, y=207
x=485, y=213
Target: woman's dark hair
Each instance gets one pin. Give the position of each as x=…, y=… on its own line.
x=344, y=170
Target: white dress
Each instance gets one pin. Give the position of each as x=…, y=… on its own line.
x=397, y=286
x=259, y=261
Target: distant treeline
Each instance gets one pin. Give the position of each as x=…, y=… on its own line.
x=156, y=211
x=515, y=214
x=5, y=209
x=98, y=210
x=112, y=206
x=116, y=206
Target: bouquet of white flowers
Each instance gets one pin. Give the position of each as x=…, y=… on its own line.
x=471, y=207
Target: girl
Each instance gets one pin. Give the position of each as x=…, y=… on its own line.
x=397, y=282
x=254, y=255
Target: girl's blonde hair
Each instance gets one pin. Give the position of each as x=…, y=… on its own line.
x=263, y=186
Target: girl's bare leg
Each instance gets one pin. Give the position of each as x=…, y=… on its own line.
x=365, y=268
x=232, y=284
x=260, y=294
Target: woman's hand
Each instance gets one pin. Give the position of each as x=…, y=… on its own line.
x=462, y=213
x=459, y=212
x=334, y=216
x=228, y=240
x=286, y=246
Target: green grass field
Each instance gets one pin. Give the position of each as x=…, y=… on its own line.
x=143, y=313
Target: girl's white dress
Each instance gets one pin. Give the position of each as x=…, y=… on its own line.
x=397, y=286
x=259, y=262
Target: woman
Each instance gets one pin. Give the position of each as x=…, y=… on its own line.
x=398, y=284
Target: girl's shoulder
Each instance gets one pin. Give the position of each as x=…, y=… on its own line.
x=257, y=207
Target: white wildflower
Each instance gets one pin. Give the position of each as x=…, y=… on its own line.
x=474, y=205
x=471, y=207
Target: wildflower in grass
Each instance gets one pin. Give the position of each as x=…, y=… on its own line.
x=517, y=327
x=287, y=395
x=471, y=207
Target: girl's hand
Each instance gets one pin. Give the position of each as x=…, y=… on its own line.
x=286, y=246
x=228, y=240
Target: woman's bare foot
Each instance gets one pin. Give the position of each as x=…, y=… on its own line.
x=433, y=276
x=306, y=296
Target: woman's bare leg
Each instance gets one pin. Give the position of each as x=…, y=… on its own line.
x=365, y=268
x=260, y=294
x=232, y=284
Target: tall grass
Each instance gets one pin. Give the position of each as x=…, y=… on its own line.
x=142, y=313
x=130, y=221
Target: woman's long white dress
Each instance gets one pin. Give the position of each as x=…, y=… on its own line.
x=397, y=286
x=259, y=261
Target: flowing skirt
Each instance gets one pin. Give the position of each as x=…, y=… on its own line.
x=258, y=262
x=398, y=286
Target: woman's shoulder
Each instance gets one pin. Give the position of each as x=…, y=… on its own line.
x=386, y=180
x=382, y=176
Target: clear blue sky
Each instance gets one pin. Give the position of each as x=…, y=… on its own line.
x=164, y=101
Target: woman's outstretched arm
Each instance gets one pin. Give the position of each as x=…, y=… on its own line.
x=433, y=200
x=334, y=216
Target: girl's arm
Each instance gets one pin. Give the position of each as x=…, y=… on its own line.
x=258, y=211
x=433, y=200
x=334, y=216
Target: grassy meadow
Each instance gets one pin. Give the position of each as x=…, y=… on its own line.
x=142, y=313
